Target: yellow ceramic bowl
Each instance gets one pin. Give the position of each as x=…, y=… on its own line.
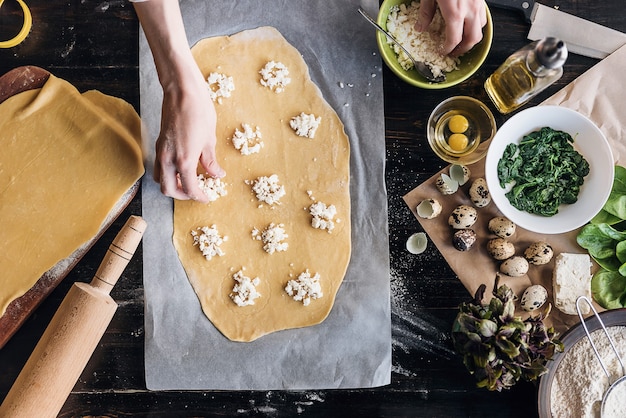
x=470, y=61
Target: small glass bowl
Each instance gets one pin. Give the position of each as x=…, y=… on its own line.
x=482, y=128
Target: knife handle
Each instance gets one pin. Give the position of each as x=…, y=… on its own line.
x=524, y=6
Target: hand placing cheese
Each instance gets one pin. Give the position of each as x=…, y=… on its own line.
x=287, y=206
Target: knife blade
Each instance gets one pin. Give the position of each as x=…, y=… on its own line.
x=580, y=35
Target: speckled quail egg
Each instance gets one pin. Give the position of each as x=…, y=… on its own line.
x=539, y=253
x=500, y=249
x=479, y=193
x=429, y=208
x=462, y=217
x=501, y=226
x=446, y=185
x=534, y=297
x=515, y=266
x=464, y=239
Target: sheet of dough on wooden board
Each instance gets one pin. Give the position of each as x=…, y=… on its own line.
x=66, y=161
x=309, y=169
x=181, y=343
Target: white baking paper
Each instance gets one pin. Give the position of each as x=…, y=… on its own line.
x=352, y=347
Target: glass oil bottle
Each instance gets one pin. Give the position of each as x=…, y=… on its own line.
x=526, y=73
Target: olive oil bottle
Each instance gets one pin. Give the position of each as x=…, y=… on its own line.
x=526, y=73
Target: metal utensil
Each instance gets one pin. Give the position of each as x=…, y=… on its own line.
x=619, y=383
x=581, y=36
x=423, y=68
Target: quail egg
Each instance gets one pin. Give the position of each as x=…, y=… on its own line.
x=464, y=239
x=463, y=216
x=534, y=297
x=500, y=249
x=539, y=253
x=501, y=226
x=515, y=266
x=479, y=193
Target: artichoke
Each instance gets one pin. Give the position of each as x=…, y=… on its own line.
x=499, y=348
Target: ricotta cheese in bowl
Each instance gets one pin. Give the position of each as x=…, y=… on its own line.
x=399, y=17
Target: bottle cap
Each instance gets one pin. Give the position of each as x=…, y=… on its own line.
x=551, y=52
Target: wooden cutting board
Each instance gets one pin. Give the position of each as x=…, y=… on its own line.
x=16, y=81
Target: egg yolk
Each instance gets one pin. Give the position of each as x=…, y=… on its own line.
x=458, y=142
x=458, y=124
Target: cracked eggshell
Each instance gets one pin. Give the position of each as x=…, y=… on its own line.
x=429, y=208
x=501, y=226
x=515, y=266
x=500, y=249
x=446, y=185
x=417, y=243
x=460, y=173
x=539, y=253
x=534, y=297
x=462, y=217
x=479, y=193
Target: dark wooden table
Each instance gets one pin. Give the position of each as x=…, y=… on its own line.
x=93, y=44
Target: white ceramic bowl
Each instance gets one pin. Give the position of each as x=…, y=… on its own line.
x=588, y=140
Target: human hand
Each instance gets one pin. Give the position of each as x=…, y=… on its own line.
x=187, y=138
x=464, y=22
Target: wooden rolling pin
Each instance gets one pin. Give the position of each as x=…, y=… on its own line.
x=59, y=358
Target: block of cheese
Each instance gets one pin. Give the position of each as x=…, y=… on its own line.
x=571, y=279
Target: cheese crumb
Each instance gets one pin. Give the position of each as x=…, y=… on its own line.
x=220, y=86
x=305, y=288
x=214, y=188
x=273, y=238
x=244, y=292
x=275, y=76
x=208, y=241
x=249, y=141
x=268, y=189
x=305, y=124
x=322, y=216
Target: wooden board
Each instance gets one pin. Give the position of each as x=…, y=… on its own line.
x=13, y=82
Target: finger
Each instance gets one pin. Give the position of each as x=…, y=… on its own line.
x=472, y=35
x=426, y=14
x=211, y=166
x=454, y=36
x=170, y=183
x=189, y=185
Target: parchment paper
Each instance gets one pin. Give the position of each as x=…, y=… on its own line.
x=352, y=347
x=597, y=94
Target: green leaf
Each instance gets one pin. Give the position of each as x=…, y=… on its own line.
x=620, y=251
x=487, y=328
x=609, y=289
x=593, y=238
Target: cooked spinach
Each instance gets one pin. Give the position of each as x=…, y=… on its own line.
x=544, y=170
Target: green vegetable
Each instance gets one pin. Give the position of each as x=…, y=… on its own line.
x=614, y=210
x=544, y=170
x=605, y=240
x=499, y=348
